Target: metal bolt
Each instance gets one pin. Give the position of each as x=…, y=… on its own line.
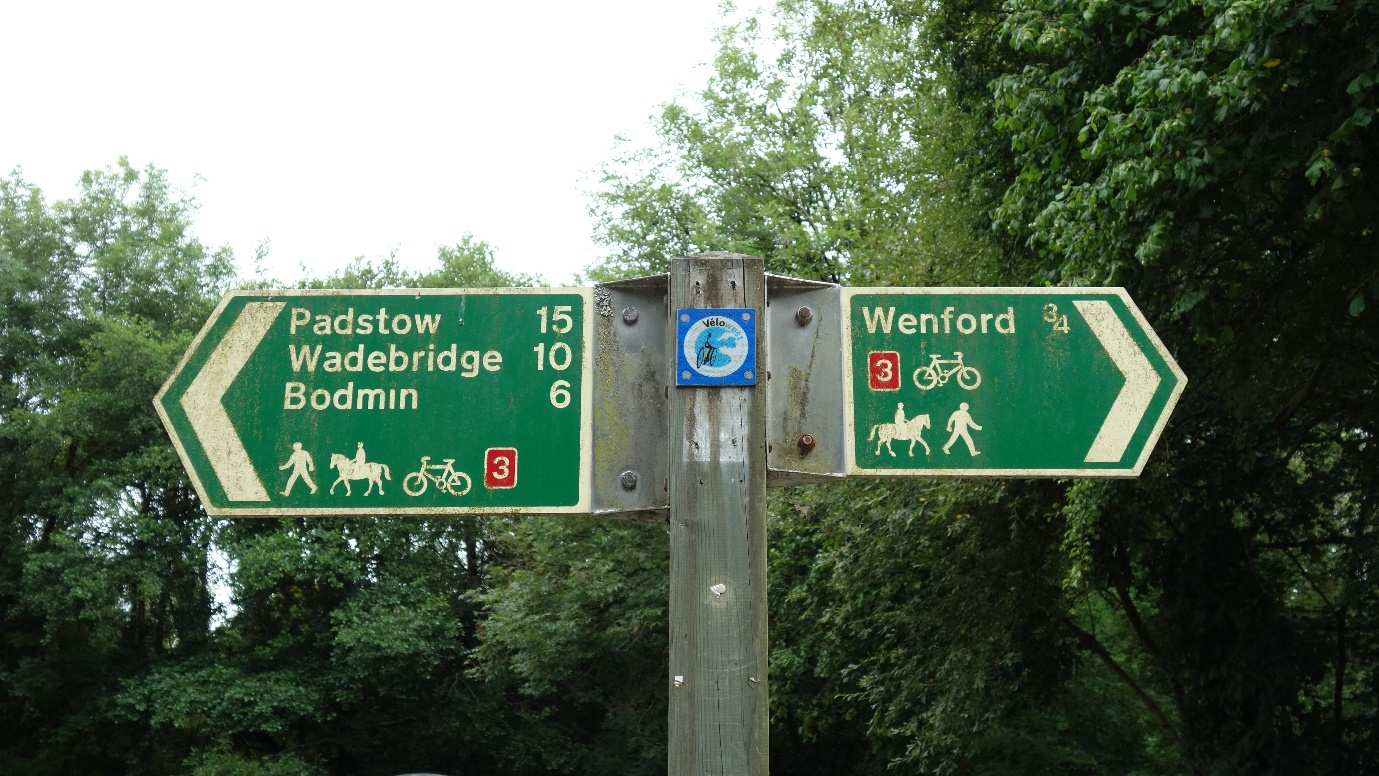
x=629, y=315
x=804, y=315
x=628, y=480
x=807, y=442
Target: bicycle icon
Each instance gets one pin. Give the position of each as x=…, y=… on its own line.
x=935, y=374
x=446, y=479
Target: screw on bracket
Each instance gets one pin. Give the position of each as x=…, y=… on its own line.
x=628, y=480
x=630, y=315
x=804, y=315
x=807, y=442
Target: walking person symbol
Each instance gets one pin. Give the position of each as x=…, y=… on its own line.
x=959, y=423
x=301, y=464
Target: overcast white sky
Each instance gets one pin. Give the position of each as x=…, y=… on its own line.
x=341, y=129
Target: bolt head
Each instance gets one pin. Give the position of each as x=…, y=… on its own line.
x=804, y=315
x=630, y=315
x=807, y=442
x=628, y=480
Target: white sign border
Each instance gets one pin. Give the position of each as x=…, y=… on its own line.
x=849, y=428
x=586, y=464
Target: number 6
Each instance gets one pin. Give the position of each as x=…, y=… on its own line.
x=560, y=394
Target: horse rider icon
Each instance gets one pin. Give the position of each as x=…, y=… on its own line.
x=301, y=464
x=358, y=468
x=902, y=430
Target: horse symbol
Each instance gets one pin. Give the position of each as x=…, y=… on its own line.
x=375, y=473
x=911, y=431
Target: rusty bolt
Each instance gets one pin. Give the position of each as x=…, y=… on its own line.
x=629, y=315
x=804, y=315
x=807, y=443
x=628, y=480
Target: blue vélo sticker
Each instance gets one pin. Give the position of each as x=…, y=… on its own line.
x=717, y=346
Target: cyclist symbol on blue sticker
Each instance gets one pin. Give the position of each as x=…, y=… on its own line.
x=716, y=346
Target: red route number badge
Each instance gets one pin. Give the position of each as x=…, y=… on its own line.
x=883, y=370
x=500, y=468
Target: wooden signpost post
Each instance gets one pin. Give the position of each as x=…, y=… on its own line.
x=718, y=712
x=679, y=396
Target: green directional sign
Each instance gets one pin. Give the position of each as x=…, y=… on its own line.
x=416, y=402
x=1002, y=382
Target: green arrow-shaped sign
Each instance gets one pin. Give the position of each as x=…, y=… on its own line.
x=387, y=402
x=1002, y=382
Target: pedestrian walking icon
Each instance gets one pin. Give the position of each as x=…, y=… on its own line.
x=301, y=464
x=958, y=424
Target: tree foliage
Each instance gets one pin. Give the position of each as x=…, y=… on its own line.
x=828, y=159
x=102, y=571
x=1217, y=615
x=345, y=645
x=1214, y=159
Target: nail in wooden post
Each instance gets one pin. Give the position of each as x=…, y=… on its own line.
x=718, y=711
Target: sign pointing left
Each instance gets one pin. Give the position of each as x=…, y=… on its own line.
x=206, y=412
x=419, y=402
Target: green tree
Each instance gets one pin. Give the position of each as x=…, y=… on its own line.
x=340, y=637
x=350, y=640
x=103, y=566
x=574, y=638
x=807, y=158
x=1213, y=159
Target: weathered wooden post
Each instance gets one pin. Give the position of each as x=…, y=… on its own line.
x=718, y=695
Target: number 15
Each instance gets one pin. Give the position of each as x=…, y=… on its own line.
x=559, y=321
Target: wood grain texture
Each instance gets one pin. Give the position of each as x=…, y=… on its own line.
x=718, y=713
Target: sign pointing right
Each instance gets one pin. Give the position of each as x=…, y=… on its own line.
x=1141, y=380
x=1002, y=382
